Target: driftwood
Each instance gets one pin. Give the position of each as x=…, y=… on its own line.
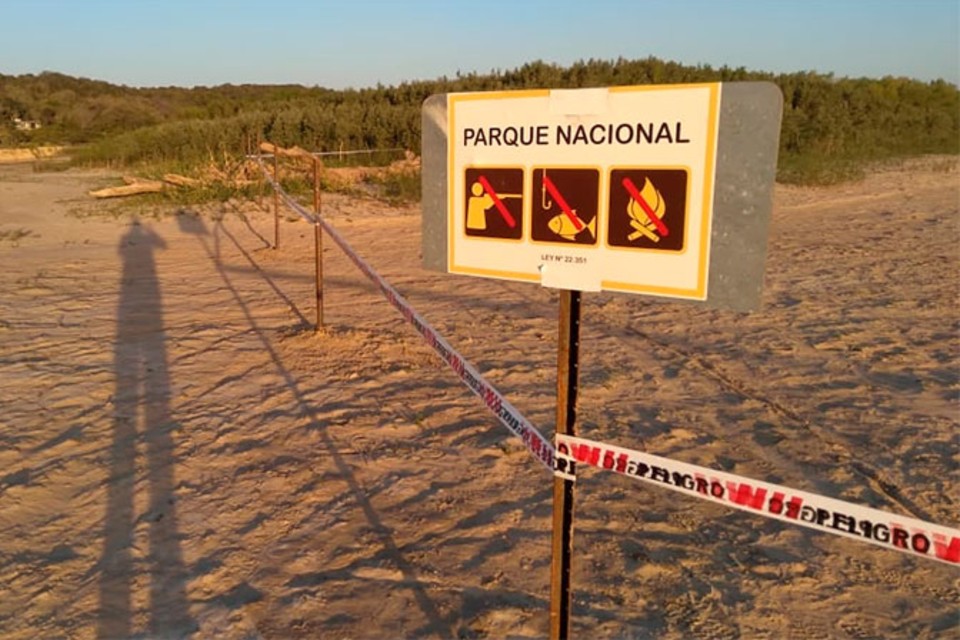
x=181, y=181
x=135, y=186
x=131, y=189
x=293, y=152
x=237, y=176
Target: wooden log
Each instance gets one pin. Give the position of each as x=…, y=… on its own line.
x=299, y=153
x=181, y=181
x=292, y=152
x=146, y=186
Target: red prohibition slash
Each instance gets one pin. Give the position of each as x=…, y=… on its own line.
x=502, y=208
x=635, y=194
x=555, y=193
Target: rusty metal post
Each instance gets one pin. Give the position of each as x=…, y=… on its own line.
x=261, y=180
x=568, y=363
x=276, y=201
x=318, y=243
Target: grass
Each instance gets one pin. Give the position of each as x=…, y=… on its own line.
x=402, y=187
x=944, y=165
x=52, y=165
x=810, y=170
x=184, y=197
x=14, y=236
x=397, y=188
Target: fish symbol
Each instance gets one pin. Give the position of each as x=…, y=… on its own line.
x=562, y=225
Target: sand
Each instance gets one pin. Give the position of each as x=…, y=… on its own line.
x=182, y=457
x=11, y=156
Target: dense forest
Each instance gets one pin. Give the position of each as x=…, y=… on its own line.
x=827, y=122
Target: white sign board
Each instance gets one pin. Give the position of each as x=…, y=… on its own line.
x=584, y=189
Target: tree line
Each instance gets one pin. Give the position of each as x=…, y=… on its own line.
x=828, y=122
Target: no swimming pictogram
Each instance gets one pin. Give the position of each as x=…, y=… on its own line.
x=648, y=209
x=494, y=203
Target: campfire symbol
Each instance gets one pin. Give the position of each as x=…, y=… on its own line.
x=647, y=216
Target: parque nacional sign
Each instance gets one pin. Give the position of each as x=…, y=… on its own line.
x=662, y=190
x=656, y=190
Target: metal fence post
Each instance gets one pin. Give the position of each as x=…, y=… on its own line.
x=318, y=243
x=276, y=200
x=260, y=180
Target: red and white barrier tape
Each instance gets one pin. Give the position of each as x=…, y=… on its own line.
x=506, y=413
x=890, y=531
x=817, y=512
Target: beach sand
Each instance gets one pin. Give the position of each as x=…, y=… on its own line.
x=181, y=456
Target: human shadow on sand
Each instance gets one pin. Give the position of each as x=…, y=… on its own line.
x=142, y=447
x=389, y=551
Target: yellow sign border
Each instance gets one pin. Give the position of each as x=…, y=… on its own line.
x=700, y=291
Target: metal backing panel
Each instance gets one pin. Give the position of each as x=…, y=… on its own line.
x=749, y=135
x=433, y=178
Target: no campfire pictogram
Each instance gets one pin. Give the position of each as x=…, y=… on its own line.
x=650, y=215
x=648, y=209
x=494, y=203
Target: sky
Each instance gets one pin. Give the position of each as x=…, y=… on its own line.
x=359, y=43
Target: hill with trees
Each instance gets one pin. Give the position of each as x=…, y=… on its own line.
x=831, y=126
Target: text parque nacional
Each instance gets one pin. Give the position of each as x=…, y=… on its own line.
x=624, y=133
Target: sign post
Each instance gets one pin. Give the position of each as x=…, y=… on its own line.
x=568, y=364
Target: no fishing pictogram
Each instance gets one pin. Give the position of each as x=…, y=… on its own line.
x=565, y=205
x=567, y=211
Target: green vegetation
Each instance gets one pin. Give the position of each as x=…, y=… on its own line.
x=397, y=187
x=14, y=236
x=831, y=129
